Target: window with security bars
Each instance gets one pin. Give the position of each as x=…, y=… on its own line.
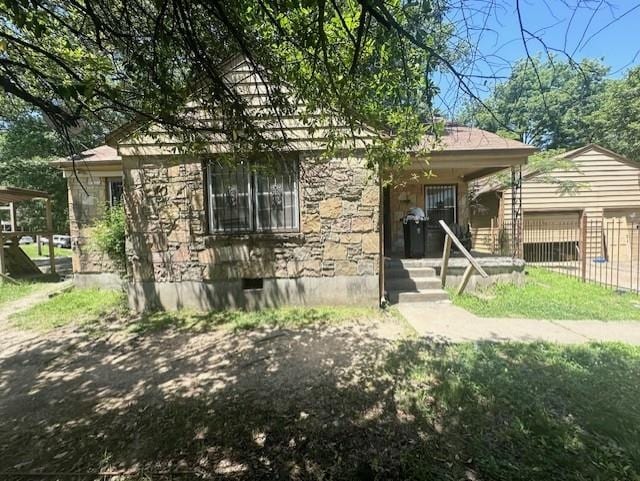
x=249, y=197
x=440, y=203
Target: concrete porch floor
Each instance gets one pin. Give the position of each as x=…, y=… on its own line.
x=458, y=262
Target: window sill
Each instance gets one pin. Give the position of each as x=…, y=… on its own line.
x=275, y=236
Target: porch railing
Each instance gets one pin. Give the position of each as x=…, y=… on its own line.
x=446, y=253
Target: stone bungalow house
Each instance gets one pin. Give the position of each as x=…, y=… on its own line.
x=204, y=235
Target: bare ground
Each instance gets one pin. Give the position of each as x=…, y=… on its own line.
x=309, y=403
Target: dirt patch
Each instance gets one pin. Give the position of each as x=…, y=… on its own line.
x=308, y=403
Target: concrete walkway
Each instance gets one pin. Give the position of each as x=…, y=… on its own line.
x=446, y=322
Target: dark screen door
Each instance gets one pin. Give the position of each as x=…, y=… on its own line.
x=440, y=203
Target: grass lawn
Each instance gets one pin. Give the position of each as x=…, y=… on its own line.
x=10, y=292
x=313, y=405
x=77, y=306
x=522, y=411
x=548, y=295
x=243, y=320
x=32, y=251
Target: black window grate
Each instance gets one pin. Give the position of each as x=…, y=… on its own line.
x=253, y=198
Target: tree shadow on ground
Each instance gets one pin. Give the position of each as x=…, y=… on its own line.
x=324, y=402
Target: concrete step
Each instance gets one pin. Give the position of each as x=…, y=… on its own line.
x=412, y=283
x=406, y=263
x=397, y=272
x=422, y=295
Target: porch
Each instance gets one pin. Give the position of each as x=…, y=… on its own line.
x=441, y=195
x=439, y=185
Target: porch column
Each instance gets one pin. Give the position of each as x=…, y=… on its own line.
x=516, y=211
x=52, y=258
x=12, y=216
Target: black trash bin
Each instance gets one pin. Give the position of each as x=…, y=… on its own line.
x=414, y=232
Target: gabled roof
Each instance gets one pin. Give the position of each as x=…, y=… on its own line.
x=575, y=152
x=102, y=155
x=493, y=184
x=459, y=138
x=456, y=139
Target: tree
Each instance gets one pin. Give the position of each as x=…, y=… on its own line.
x=546, y=104
x=27, y=146
x=364, y=61
x=616, y=120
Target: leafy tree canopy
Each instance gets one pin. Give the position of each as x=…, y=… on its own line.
x=27, y=146
x=544, y=103
x=616, y=120
x=367, y=62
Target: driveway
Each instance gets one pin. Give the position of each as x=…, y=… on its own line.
x=446, y=322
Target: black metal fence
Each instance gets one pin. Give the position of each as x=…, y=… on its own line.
x=605, y=251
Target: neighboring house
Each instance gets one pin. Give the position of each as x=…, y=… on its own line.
x=203, y=234
x=95, y=184
x=600, y=184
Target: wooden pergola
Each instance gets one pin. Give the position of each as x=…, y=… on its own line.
x=10, y=196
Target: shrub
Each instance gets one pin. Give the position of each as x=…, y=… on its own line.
x=109, y=235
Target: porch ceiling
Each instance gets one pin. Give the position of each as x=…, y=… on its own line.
x=470, y=165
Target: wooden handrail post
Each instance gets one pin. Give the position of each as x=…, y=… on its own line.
x=445, y=260
x=465, y=278
x=473, y=264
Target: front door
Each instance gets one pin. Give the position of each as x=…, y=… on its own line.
x=441, y=203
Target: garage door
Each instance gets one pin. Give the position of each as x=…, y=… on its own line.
x=556, y=226
x=551, y=236
x=621, y=234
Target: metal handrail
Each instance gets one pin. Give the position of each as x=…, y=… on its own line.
x=473, y=264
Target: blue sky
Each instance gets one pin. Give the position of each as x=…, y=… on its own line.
x=607, y=29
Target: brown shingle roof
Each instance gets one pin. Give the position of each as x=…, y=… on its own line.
x=461, y=138
x=104, y=154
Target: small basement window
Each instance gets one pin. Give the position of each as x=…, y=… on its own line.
x=253, y=197
x=248, y=283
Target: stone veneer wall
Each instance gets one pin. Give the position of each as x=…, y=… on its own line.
x=174, y=262
x=90, y=266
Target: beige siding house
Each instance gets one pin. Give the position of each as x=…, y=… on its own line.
x=603, y=186
x=206, y=234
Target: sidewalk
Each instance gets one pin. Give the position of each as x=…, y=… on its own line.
x=446, y=322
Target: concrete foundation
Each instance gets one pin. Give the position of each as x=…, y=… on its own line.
x=499, y=269
x=98, y=280
x=302, y=291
